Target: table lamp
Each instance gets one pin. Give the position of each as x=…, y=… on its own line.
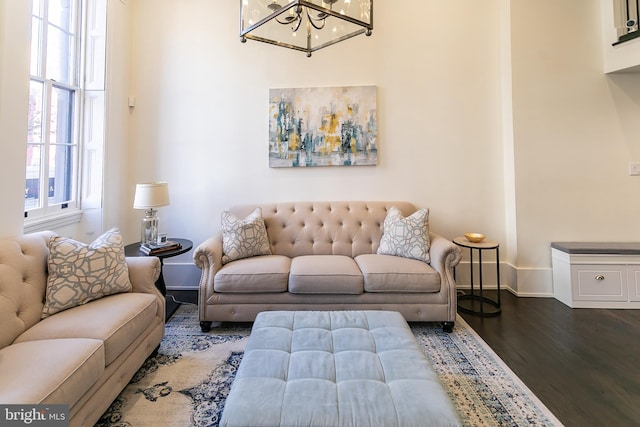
x=150, y=195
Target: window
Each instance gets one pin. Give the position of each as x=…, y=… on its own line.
x=59, y=89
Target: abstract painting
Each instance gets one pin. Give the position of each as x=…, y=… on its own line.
x=332, y=126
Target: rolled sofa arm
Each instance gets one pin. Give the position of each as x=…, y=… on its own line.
x=444, y=254
x=143, y=273
x=208, y=258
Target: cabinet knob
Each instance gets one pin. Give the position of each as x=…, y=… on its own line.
x=599, y=277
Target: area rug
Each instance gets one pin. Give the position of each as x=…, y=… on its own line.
x=187, y=382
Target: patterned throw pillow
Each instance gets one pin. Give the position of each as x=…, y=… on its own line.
x=244, y=238
x=406, y=237
x=79, y=273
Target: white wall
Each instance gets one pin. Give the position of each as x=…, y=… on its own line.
x=448, y=85
x=575, y=130
x=202, y=102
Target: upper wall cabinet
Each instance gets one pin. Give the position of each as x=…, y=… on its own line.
x=621, y=37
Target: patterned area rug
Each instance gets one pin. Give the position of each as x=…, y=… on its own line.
x=187, y=382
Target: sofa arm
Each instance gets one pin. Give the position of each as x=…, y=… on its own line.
x=208, y=258
x=444, y=254
x=209, y=253
x=143, y=273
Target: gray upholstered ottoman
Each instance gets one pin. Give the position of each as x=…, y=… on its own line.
x=335, y=368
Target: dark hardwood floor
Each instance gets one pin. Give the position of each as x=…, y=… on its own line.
x=583, y=364
x=175, y=298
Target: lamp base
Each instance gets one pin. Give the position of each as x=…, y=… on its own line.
x=149, y=232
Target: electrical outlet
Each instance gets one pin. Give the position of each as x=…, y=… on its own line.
x=634, y=168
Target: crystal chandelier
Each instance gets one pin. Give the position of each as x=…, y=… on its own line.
x=306, y=26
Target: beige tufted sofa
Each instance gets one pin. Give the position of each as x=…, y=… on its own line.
x=324, y=258
x=83, y=356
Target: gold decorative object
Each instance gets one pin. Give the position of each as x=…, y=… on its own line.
x=474, y=237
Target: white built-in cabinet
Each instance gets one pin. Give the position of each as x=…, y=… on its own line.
x=596, y=275
x=623, y=57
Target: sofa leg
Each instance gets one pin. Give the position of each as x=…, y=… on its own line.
x=205, y=326
x=448, y=326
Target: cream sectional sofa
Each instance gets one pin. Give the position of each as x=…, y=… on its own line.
x=324, y=256
x=81, y=356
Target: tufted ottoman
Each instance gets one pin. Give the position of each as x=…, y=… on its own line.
x=335, y=368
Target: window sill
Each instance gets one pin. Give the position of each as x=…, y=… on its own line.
x=52, y=221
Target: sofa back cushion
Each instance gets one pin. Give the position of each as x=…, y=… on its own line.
x=23, y=280
x=348, y=228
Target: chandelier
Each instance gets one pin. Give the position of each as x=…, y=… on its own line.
x=302, y=25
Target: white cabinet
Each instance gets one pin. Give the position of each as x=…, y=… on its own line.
x=633, y=274
x=596, y=275
x=617, y=57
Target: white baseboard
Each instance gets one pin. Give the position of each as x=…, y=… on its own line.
x=522, y=282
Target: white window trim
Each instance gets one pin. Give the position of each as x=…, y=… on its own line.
x=91, y=135
x=49, y=222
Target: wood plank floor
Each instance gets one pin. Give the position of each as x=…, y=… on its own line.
x=583, y=364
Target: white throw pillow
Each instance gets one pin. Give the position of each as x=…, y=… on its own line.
x=79, y=273
x=406, y=237
x=244, y=238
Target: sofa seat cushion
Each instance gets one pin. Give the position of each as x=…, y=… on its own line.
x=325, y=274
x=117, y=320
x=50, y=371
x=266, y=273
x=388, y=273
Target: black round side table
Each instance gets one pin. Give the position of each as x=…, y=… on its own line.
x=478, y=303
x=134, y=250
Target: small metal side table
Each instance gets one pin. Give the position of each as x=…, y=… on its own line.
x=477, y=303
x=134, y=250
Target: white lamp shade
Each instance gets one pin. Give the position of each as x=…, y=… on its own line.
x=151, y=195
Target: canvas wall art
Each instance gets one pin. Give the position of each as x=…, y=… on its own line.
x=325, y=126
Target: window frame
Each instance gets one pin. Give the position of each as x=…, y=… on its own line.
x=50, y=213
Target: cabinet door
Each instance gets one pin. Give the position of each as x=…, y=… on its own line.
x=599, y=282
x=633, y=278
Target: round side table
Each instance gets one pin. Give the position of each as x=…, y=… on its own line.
x=134, y=250
x=478, y=303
